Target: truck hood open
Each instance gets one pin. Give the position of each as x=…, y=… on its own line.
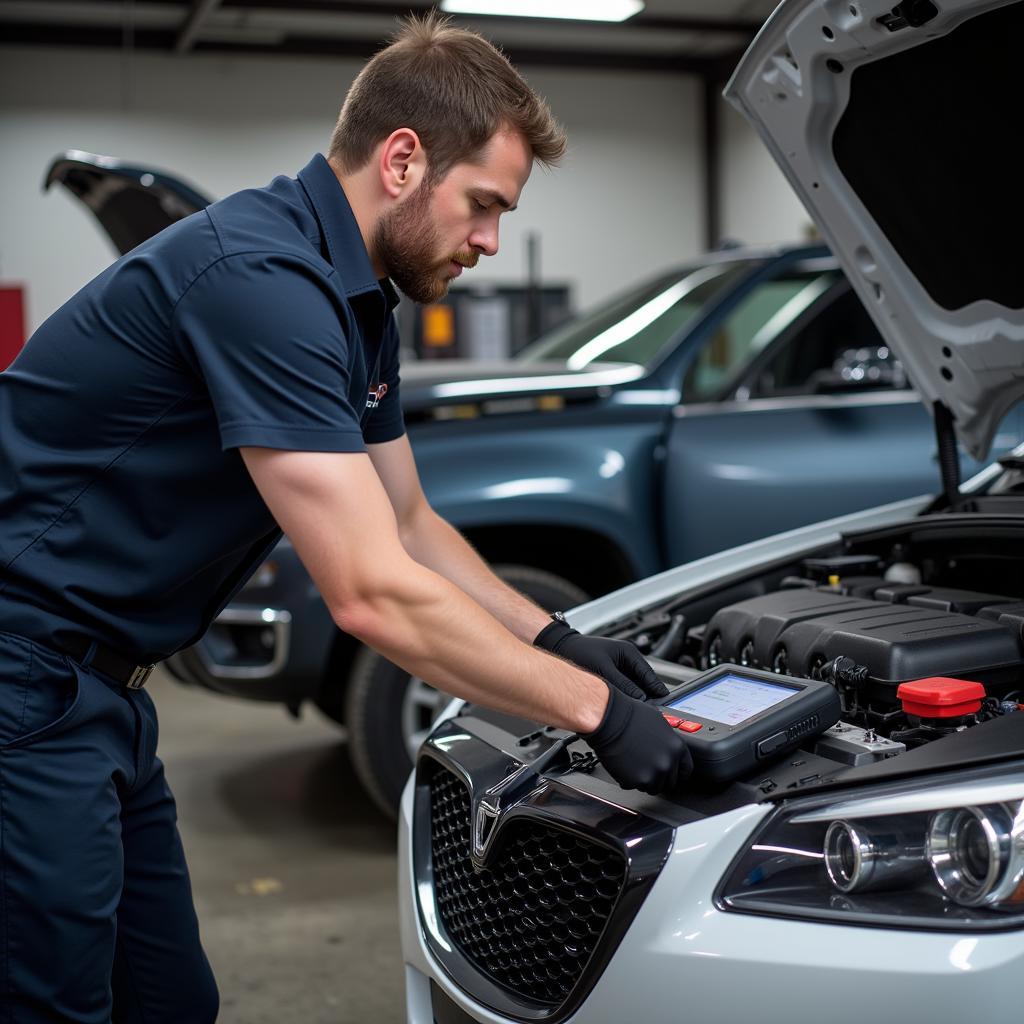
x=131, y=203
x=894, y=124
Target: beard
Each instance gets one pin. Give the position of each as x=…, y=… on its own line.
x=407, y=243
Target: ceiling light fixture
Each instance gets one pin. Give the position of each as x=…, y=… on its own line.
x=574, y=10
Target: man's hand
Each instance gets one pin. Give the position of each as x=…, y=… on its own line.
x=617, y=662
x=638, y=747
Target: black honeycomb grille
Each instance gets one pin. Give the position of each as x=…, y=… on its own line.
x=532, y=918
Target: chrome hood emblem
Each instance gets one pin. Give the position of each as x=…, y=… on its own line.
x=491, y=805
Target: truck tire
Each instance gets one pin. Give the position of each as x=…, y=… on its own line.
x=389, y=713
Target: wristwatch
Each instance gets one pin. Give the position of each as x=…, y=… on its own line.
x=558, y=628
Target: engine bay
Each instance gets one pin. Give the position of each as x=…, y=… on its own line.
x=920, y=630
x=918, y=626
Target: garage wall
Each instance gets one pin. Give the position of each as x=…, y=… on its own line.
x=758, y=204
x=626, y=202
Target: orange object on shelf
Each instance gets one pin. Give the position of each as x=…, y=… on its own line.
x=438, y=326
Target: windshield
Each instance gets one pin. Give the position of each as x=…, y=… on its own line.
x=637, y=326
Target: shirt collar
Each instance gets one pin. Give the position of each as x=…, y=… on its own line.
x=345, y=244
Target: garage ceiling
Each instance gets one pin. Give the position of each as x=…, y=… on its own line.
x=703, y=37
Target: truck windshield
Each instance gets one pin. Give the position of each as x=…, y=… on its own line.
x=637, y=326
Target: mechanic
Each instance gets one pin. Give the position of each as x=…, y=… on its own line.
x=233, y=377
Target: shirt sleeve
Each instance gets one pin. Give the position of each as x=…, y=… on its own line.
x=386, y=422
x=265, y=335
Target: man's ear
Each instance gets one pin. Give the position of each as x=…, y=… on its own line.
x=403, y=163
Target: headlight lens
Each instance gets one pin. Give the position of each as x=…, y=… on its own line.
x=974, y=857
x=936, y=854
x=868, y=856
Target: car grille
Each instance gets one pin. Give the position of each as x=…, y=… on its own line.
x=532, y=918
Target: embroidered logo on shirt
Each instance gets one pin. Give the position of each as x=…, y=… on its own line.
x=375, y=395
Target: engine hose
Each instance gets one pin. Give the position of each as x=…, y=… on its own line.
x=672, y=642
x=843, y=671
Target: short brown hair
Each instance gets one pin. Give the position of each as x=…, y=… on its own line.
x=450, y=86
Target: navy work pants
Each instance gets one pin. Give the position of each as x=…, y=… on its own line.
x=96, y=916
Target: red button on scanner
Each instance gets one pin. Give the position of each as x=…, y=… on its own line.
x=682, y=724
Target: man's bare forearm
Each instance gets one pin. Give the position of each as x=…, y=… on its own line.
x=429, y=627
x=435, y=544
x=413, y=616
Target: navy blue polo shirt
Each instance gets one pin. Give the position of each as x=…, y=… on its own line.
x=126, y=512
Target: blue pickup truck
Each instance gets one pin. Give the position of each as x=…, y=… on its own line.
x=722, y=401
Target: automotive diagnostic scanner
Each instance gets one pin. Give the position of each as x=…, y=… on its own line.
x=735, y=718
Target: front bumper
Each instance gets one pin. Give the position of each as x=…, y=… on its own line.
x=272, y=642
x=680, y=957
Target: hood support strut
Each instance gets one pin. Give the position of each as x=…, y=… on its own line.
x=949, y=457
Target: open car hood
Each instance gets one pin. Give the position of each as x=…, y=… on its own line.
x=131, y=203
x=895, y=125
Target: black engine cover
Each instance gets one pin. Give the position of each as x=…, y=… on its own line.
x=796, y=631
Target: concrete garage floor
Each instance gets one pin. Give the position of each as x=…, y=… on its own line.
x=293, y=868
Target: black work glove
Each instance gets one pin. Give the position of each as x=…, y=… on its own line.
x=617, y=662
x=638, y=747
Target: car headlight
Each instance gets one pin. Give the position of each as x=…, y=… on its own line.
x=919, y=854
x=976, y=854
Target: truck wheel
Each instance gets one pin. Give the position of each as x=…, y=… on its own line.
x=389, y=713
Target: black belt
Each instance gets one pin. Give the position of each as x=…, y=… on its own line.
x=109, y=662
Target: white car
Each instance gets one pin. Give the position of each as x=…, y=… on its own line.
x=862, y=857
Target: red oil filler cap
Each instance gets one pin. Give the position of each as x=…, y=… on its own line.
x=940, y=697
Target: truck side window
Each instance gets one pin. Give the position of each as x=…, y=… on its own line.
x=838, y=350
x=760, y=317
